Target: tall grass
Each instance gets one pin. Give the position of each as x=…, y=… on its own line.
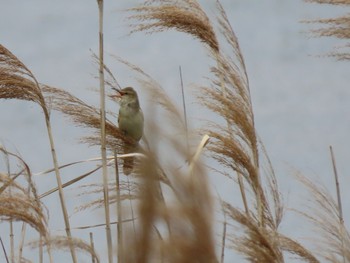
x=170, y=200
x=18, y=82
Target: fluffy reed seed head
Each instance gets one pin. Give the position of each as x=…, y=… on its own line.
x=338, y=27
x=16, y=80
x=185, y=16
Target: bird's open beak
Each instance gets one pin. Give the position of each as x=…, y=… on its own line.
x=118, y=95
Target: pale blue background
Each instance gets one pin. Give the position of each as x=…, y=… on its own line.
x=301, y=101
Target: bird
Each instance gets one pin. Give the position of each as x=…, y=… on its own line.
x=130, y=123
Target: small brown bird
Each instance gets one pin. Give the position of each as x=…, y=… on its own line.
x=130, y=122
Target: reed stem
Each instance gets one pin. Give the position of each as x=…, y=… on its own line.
x=103, y=135
x=120, y=215
x=59, y=184
x=340, y=208
x=92, y=247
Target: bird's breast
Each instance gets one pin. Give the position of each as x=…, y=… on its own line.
x=131, y=121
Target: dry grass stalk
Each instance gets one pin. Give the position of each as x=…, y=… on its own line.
x=223, y=242
x=4, y=250
x=184, y=107
x=340, y=207
x=103, y=133
x=92, y=245
x=99, y=225
x=18, y=82
x=119, y=211
x=5, y=185
x=41, y=251
x=21, y=244
x=73, y=181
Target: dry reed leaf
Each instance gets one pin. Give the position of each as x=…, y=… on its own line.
x=99, y=225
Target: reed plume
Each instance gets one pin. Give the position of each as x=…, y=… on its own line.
x=21, y=203
x=63, y=243
x=84, y=115
x=185, y=16
x=16, y=80
x=338, y=27
x=324, y=213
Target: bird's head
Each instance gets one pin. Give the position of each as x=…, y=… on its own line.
x=126, y=95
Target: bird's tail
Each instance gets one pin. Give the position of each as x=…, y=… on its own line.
x=128, y=163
